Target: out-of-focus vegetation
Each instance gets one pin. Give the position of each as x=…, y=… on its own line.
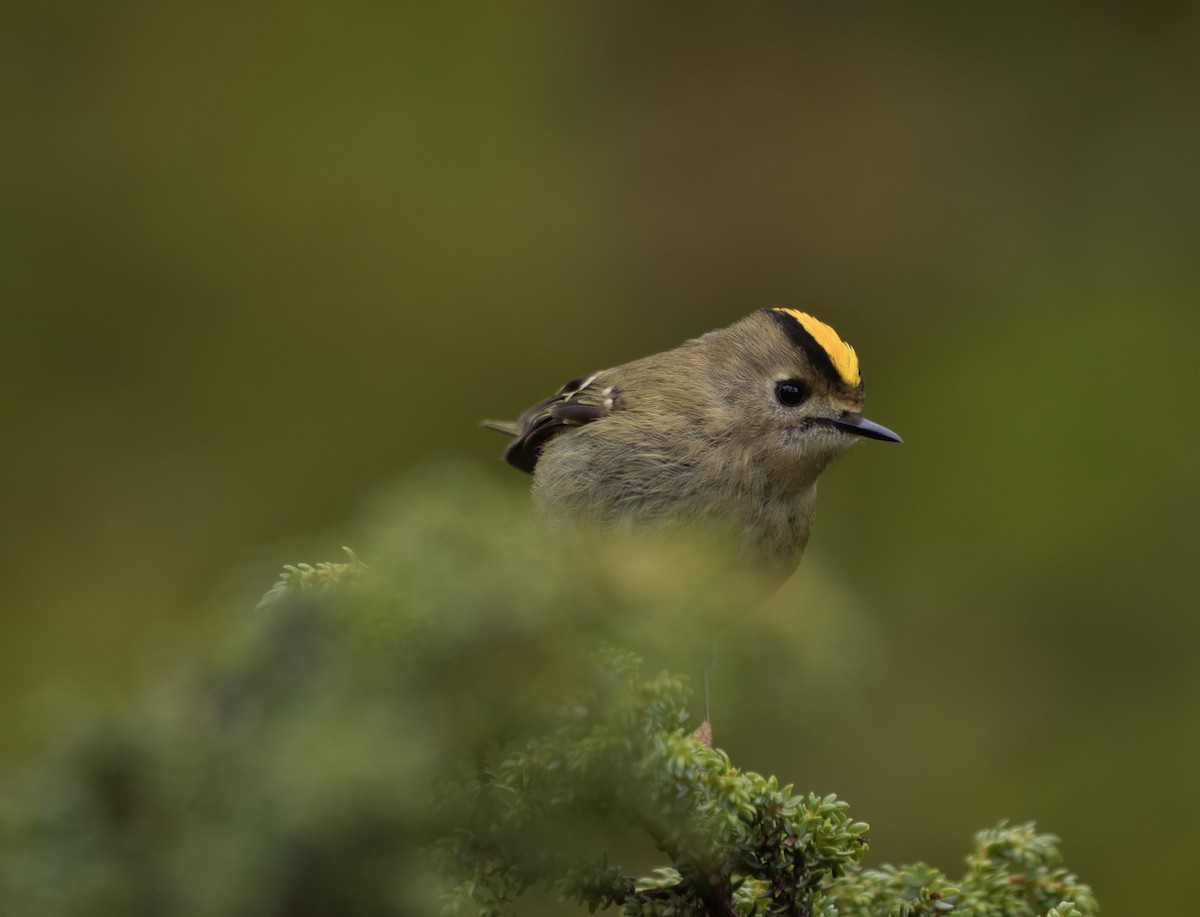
x=259, y=259
x=403, y=739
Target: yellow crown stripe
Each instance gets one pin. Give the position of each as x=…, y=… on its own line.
x=841, y=354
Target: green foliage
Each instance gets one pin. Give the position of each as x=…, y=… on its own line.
x=314, y=579
x=738, y=842
x=621, y=754
x=469, y=727
x=1013, y=872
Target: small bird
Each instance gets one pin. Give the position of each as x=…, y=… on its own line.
x=727, y=432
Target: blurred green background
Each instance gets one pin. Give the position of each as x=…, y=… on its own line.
x=258, y=260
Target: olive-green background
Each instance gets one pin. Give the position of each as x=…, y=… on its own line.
x=258, y=260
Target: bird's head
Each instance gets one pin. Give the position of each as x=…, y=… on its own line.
x=790, y=389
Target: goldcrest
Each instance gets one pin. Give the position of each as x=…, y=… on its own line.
x=727, y=433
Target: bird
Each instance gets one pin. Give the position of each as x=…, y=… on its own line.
x=726, y=433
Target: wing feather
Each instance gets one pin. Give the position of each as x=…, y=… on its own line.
x=580, y=401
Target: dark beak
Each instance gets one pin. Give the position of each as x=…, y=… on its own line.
x=860, y=426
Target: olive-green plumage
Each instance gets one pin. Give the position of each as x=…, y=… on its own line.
x=728, y=432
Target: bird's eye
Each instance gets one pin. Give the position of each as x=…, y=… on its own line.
x=791, y=392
